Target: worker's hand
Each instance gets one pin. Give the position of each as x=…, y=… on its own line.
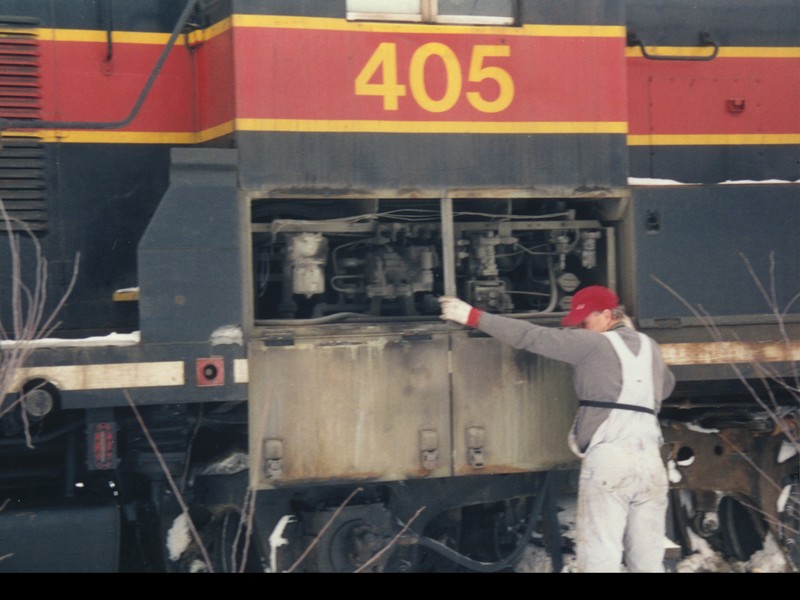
x=454, y=309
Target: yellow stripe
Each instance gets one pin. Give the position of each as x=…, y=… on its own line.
x=93, y=35
x=279, y=22
x=733, y=139
x=125, y=296
x=118, y=137
x=307, y=125
x=274, y=21
x=88, y=136
x=107, y=376
x=218, y=28
x=215, y=132
x=724, y=52
x=430, y=126
x=291, y=125
x=128, y=37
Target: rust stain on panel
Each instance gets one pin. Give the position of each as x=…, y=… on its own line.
x=715, y=353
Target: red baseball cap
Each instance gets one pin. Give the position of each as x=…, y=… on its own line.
x=588, y=300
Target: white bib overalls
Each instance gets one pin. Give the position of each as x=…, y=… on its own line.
x=623, y=489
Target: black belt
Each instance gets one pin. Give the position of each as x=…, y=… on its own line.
x=598, y=404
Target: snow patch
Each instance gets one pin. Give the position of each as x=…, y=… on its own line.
x=703, y=559
x=178, y=537
x=235, y=463
x=752, y=182
x=783, y=498
x=276, y=540
x=768, y=560
x=672, y=470
x=228, y=334
x=198, y=566
x=652, y=181
x=697, y=428
x=112, y=339
x=656, y=181
x=787, y=451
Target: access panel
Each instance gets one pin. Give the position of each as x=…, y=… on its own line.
x=349, y=407
x=512, y=410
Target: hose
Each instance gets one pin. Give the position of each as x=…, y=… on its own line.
x=486, y=567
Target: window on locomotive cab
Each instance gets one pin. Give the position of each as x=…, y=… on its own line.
x=455, y=12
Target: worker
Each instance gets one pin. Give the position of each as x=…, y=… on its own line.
x=620, y=380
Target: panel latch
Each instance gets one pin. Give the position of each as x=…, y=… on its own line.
x=273, y=458
x=475, y=442
x=429, y=449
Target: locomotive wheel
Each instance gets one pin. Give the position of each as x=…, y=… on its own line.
x=495, y=531
x=742, y=530
x=353, y=545
x=230, y=547
x=680, y=522
x=707, y=528
x=347, y=539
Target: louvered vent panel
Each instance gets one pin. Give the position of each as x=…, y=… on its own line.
x=22, y=157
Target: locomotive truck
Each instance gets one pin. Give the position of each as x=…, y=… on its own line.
x=226, y=224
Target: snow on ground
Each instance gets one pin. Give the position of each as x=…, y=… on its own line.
x=703, y=560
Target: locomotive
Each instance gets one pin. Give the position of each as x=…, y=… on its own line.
x=226, y=224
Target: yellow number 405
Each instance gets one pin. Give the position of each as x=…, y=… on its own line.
x=384, y=60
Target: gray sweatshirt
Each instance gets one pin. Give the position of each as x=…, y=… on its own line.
x=597, y=373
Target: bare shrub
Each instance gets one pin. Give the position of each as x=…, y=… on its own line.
x=765, y=372
x=766, y=382
x=29, y=321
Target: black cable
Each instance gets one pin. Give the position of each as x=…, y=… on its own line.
x=109, y=23
x=485, y=567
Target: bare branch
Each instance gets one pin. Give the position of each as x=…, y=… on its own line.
x=771, y=298
x=246, y=527
x=391, y=543
x=781, y=415
x=195, y=534
x=28, y=320
x=712, y=328
x=322, y=531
